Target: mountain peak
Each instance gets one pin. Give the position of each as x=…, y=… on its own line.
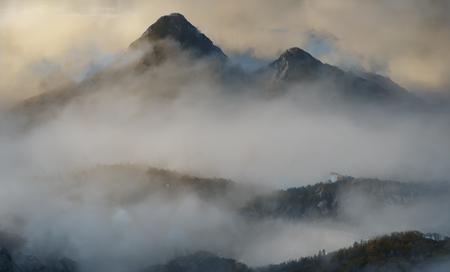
x=296, y=56
x=295, y=64
x=297, y=53
x=177, y=28
x=174, y=25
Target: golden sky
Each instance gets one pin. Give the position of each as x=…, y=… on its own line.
x=408, y=40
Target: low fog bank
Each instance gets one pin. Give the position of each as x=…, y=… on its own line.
x=186, y=117
x=369, y=217
x=190, y=119
x=111, y=218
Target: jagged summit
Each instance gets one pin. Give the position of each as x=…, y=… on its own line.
x=177, y=28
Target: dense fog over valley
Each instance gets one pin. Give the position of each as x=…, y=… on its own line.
x=131, y=156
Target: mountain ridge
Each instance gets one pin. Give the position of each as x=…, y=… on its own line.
x=173, y=35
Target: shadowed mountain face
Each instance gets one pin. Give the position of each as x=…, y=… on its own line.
x=176, y=28
x=298, y=66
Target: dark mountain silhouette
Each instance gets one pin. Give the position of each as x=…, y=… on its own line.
x=298, y=66
x=171, y=36
x=175, y=28
x=174, y=37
